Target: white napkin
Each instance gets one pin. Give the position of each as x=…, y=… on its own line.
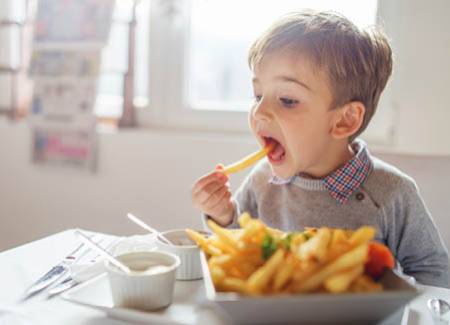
x=83, y=272
x=13, y=316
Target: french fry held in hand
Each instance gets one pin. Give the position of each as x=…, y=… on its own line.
x=248, y=161
x=259, y=260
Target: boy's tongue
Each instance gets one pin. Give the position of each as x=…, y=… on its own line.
x=277, y=152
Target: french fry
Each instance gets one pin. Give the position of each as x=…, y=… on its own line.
x=251, y=229
x=317, y=260
x=196, y=237
x=283, y=274
x=261, y=277
x=316, y=247
x=340, y=282
x=362, y=235
x=220, y=245
x=203, y=243
x=338, y=237
x=236, y=272
x=234, y=284
x=244, y=219
x=238, y=261
x=350, y=259
x=248, y=161
x=225, y=235
x=217, y=275
x=296, y=241
x=365, y=284
x=221, y=260
x=275, y=232
x=247, y=268
x=304, y=271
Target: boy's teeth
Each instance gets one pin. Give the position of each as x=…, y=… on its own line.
x=277, y=152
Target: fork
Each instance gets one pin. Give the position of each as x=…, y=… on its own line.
x=69, y=281
x=55, y=274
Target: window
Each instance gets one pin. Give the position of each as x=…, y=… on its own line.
x=199, y=76
x=191, y=59
x=115, y=60
x=14, y=33
x=14, y=56
x=219, y=77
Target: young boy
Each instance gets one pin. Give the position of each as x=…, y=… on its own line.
x=317, y=79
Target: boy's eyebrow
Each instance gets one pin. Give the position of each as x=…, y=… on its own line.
x=290, y=79
x=286, y=79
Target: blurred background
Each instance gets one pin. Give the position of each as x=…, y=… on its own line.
x=170, y=102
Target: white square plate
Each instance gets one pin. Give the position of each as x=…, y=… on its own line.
x=96, y=294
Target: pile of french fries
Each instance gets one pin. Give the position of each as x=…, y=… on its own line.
x=259, y=260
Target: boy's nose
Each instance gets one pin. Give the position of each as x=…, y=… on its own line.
x=262, y=112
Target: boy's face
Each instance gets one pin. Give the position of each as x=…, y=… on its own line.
x=292, y=109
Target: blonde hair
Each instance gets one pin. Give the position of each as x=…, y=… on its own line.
x=358, y=62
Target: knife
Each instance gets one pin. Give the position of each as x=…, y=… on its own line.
x=57, y=272
x=94, y=269
x=61, y=287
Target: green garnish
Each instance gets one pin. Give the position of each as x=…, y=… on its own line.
x=268, y=246
x=287, y=240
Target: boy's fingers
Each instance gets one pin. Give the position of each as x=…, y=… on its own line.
x=222, y=206
x=209, y=190
x=215, y=198
x=207, y=179
x=220, y=168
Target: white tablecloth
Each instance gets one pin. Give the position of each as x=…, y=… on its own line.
x=21, y=266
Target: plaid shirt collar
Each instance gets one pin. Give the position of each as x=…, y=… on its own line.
x=342, y=182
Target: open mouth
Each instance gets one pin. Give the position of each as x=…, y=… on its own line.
x=278, y=152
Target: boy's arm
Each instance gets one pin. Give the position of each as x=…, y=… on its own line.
x=415, y=241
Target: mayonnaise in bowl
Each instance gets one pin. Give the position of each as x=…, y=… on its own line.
x=150, y=284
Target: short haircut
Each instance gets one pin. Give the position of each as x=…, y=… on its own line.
x=358, y=62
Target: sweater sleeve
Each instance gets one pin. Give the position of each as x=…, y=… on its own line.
x=245, y=198
x=415, y=240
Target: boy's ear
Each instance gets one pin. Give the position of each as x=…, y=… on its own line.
x=348, y=120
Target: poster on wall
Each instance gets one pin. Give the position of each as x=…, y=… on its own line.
x=73, y=20
x=65, y=68
x=75, y=62
x=71, y=145
x=64, y=96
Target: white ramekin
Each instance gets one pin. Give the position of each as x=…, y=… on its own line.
x=190, y=268
x=140, y=290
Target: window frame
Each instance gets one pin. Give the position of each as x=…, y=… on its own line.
x=168, y=39
x=168, y=70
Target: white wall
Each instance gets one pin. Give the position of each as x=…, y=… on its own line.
x=417, y=94
x=147, y=172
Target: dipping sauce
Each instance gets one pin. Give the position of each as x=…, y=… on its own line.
x=180, y=238
x=152, y=269
x=145, y=267
x=151, y=283
x=183, y=242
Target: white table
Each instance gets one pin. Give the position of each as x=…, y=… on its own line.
x=21, y=266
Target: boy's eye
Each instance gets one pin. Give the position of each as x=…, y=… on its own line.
x=258, y=98
x=287, y=102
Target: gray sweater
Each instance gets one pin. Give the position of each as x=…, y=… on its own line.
x=387, y=200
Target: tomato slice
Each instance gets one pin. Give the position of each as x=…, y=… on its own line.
x=379, y=259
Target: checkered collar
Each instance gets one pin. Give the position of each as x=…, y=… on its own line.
x=342, y=182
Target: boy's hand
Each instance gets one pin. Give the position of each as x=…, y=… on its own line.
x=211, y=194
